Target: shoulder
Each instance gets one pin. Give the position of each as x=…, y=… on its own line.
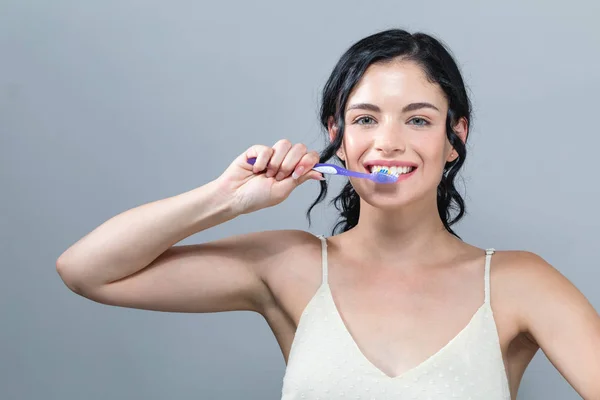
x=266, y=251
x=291, y=269
x=538, y=293
x=277, y=249
x=523, y=264
x=274, y=243
x=527, y=276
x=287, y=241
x=526, y=272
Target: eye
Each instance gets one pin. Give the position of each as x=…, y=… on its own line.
x=418, y=121
x=366, y=120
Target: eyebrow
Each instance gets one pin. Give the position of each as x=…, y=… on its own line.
x=407, y=108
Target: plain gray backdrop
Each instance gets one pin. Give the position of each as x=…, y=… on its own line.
x=108, y=105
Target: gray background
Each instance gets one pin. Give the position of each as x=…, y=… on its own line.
x=108, y=105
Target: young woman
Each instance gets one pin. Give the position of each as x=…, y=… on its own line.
x=393, y=305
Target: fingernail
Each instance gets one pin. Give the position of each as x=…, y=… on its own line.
x=279, y=176
x=298, y=172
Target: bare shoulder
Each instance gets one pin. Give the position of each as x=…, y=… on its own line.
x=277, y=246
x=291, y=239
x=526, y=273
x=523, y=275
x=292, y=275
x=282, y=256
x=536, y=291
x=521, y=269
x=292, y=254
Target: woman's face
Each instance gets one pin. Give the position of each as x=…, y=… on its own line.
x=395, y=116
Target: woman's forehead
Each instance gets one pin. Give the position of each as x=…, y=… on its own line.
x=396, y=82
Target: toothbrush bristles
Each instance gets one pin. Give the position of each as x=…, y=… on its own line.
x=384, y=172
x=384, y=176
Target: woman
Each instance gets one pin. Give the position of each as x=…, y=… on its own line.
x=394, y=306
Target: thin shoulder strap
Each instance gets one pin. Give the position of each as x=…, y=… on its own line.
x=323, y=257
x=488, y=259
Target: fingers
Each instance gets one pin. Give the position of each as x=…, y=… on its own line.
x=281, y=149
x=291, y=161
x=263, y=155
x=284, y=159
x=306, y=163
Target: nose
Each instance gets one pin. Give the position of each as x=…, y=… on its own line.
x=389, y=140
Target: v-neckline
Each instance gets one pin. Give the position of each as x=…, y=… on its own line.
x=411, y=370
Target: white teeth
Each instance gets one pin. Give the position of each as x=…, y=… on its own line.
x=391, y=170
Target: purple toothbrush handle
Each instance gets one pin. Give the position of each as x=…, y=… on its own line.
x=325, y=168
x=337, y=170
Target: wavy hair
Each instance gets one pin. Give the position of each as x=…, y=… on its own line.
x=440, y=68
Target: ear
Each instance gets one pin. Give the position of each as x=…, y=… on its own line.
x=332, y=128
x=462, y=131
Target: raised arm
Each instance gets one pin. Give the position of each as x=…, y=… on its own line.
x=131, y=260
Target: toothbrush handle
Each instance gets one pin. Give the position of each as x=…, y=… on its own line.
x=325, y=168
x=337, y=170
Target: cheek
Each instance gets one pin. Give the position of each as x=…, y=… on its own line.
x=352, y=139
x=354, y=144
x=429, y=147
x=433, y=154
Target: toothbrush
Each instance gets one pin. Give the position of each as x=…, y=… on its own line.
x=383, y=176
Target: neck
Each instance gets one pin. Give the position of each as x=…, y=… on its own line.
x=414, y=233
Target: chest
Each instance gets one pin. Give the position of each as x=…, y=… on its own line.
x=396, y=333
x=393, y=328
x=325, y=355
x=394, y=321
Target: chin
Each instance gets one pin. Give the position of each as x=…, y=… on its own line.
x=388, y=206
x=388, y=199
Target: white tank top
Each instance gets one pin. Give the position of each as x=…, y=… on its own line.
x=325, y=362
